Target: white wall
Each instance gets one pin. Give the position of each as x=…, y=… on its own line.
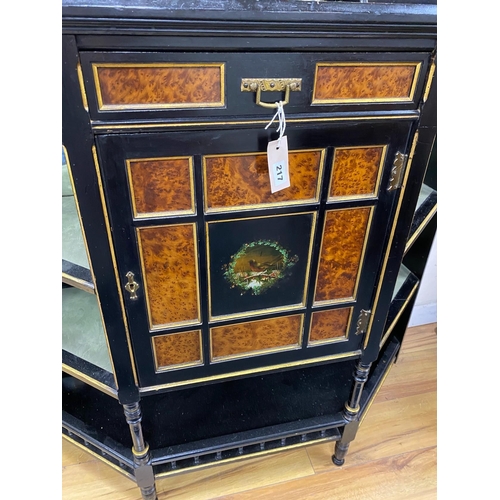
x=425, y=310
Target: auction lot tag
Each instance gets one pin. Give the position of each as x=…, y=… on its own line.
x=277, y=160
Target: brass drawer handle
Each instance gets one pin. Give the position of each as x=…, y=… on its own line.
x=273, y=104
x=271, y=84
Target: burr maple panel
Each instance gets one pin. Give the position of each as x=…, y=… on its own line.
x=169, y=260
x=328, y=326
x=256, y=336
x=233, y=181
x=356, y=171
x=161, y=186
x=178, y=349
x=150, y=86
x=341, y=253
x=340, y=82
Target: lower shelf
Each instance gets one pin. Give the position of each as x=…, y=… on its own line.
x=218, y=423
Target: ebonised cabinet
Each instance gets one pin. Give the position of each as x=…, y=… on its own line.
x=206, y=318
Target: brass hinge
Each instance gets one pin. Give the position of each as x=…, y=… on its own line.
x=363, y=319
x=398, y=168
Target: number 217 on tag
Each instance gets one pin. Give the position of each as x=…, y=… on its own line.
x=279, y=172
x=280, y=177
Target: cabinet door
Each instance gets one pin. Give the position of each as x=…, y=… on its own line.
x=222, y=277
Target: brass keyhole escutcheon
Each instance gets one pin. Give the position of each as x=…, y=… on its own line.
x=132, y=286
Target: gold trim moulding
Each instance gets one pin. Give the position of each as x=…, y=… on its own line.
x=332, y=302
x=178, y=366
x=78, y=283
x=369, y=196
x=155, y=388
x=249, y=314
x=162, y=215
x=241, y=208
x=90, y=381
x=144, y=125
x=82, y=87
x=146, y=107
x=352, y=410
x=260, y=352
x=213, y=320
x=429, y=81
x=178, y=324
x=140, y=453
x=168, y=213
x=254, y=206
x=252, y=354
x=368, y=100
x=351, y=197
x=334, y=340
x=100, y=457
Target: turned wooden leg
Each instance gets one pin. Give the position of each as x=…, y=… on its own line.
x=143, y=469
x=351, y=414
x=340, y=453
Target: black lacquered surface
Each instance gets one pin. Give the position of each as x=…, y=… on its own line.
x=183, y=416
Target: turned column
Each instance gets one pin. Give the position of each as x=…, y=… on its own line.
x=351, y=413
x=143, y=469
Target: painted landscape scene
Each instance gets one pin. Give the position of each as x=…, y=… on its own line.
x=258, y=265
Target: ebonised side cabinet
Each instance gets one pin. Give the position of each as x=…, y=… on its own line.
x=206, y=318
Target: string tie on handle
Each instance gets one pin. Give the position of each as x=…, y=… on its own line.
x=280, y=114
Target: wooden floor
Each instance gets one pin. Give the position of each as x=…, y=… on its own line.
x=392, y=457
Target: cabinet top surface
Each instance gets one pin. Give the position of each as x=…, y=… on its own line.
x=405, y=12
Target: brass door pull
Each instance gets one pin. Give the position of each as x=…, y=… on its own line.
x=271, y=85
x=132, y=286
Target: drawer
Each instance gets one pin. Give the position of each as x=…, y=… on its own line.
x=142, y=86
